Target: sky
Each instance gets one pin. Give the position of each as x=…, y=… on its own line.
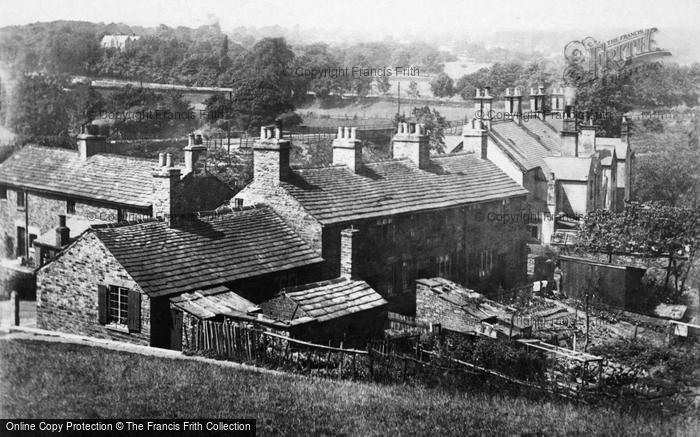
x=372, y=17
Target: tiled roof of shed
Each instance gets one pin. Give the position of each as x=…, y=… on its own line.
x=332, y=299
x=336, y=194
x=213, y=302
x=206, y=252
x=106, y=177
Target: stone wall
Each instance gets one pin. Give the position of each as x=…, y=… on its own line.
x=431, y=309
x=481, y=246
x=67, y=292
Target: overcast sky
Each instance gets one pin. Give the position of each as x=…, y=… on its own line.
x=373, y=17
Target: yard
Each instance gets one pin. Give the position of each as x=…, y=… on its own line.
x=58, y=380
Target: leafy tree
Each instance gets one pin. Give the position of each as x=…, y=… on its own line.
x=383, y=84
x=257, y=102
x=435, y=124
x=442, y=86
x=40, y=107
x=413, y=92
x=651, y=229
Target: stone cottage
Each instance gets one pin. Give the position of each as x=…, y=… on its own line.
x=43, y=189
x=417, y=215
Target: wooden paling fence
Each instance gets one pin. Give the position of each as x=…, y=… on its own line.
x=380, y=362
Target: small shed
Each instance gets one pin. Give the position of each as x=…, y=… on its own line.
x=611, y=284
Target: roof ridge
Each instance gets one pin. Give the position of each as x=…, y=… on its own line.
x=311, y=285
x=126, y=223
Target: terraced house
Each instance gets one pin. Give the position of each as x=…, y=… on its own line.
x=415, y=215
x=567, y=169
x=50, y=195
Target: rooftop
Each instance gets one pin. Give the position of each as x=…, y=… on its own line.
x=528, y=150
x=105, y=177
x=336, y=194
x=217, y=301
x=324, y=300
x=207, y=251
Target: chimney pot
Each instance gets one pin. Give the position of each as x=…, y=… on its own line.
x=278, y=133
x=168, y=160
x=198, y=139
x=262, y=133
x=340, y=132
x=62, y=232
x=190, y=141
x=161, y=159
x=353, y=133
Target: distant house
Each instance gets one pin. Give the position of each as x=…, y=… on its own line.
x=50, y=195
x=417, y=215
x=119, y=42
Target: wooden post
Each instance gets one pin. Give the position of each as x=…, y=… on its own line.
x=14, y=303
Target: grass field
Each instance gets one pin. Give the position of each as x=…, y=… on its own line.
x=54, y=380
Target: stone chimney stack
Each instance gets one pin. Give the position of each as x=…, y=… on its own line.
x=537, y=102
x=514, y=104
x=347, y=149
x=348, y=253
x=569, y=135
x=195, y=155
x=588, y=138
x=412, y=142
x=62, y=232
x=270, y=157
x=90, y=142
x=167, y=198
x=557, y=103
x=475, y=138
x=482, y=106
x=625, y=130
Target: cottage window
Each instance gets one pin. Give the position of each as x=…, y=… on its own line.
x=70, y=206
x=3, y=193
x=20, y=200
x=444, y=266
x=119, y=307
x=239, y=203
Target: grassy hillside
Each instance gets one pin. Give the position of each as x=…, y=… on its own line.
x=51, y=380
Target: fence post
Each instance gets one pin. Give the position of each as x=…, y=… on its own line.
x=14, y=303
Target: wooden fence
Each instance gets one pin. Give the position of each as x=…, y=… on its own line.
x=382, y=361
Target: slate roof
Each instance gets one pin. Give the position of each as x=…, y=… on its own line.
x=569, y=168
x=206, y=252
x=336, y=194
x=106, y=177
x=328, y=300
x=525, y=149
x=217, y=301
